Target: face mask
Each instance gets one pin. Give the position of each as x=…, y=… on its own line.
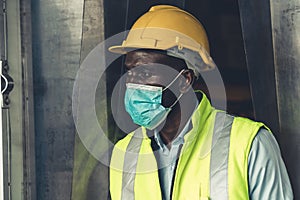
x=143, y=103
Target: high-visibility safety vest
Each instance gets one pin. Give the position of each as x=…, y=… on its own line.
x=212, y=165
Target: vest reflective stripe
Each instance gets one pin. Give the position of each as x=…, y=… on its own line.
x=116, y=167
x=147, y=176
x=139, y=171
x=213, y=163
x=129, y=168
x=219, y=156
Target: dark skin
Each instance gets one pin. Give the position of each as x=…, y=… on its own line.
x=144, y=70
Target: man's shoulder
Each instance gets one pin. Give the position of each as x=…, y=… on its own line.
x=243, y=122
x=239, y=121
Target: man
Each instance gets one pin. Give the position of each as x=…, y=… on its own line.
x=186, y=149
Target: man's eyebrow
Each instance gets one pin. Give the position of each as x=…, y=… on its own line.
x=134, y=64
x=129, y=65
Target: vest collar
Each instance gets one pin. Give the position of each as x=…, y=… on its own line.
x=199, y=117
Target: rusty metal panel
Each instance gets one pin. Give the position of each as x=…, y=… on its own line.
x=29, y=182
x=286, y=41
x=57, y=30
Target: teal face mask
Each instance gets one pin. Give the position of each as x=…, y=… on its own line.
x=143, y=103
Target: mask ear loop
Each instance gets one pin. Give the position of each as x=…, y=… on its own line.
x=171, y=84
x=174, y=80
x=176, y=100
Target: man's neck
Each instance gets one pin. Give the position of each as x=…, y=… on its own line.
x=178, y=118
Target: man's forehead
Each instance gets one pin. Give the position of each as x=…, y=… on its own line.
x=143, y=57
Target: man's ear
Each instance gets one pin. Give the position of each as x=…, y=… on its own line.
x=187, y=81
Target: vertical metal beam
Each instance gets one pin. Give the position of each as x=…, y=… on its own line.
x=29, y=183
x=57, y=28
x=15, y=115
x=2, y=30
x=90, y=177
x=2, y=57
x=257, y=34
x=1, y=144
x=286, y=41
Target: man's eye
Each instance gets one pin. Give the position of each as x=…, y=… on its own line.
x=147, y=74
x=129, y=72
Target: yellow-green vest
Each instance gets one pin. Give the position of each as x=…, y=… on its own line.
x=213, y=163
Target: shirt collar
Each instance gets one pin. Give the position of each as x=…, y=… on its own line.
x=197, y=120
x=177, y=141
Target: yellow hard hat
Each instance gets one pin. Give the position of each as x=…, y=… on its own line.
x=166, y=27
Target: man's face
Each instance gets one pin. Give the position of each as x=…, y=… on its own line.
x=145, y=68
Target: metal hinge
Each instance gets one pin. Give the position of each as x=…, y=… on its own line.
x=7, y=83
